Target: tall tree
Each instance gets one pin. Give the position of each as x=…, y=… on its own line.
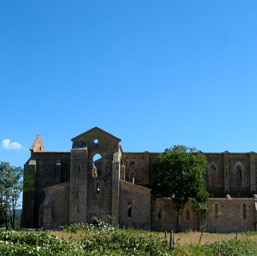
x=179, y=173
x=10, y=189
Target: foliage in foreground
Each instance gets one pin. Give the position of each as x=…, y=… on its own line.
x=106, y=240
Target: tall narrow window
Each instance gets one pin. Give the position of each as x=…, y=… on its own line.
x=159, y=213
x=238, y=174
x=97, y=166
x=216, y=211
x=133, y=177
x=97, y=188
x=212, y=175
x=129, y=210
x=244, y=212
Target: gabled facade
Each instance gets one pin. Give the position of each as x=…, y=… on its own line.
x=97, y=180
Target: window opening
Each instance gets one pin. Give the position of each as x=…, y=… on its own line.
x=96, y=141
x=159, y=214
x=129, y=210
x=212, y=175
x=238, y=175
x=97, y=188
x=132, y=178
x=97, y=166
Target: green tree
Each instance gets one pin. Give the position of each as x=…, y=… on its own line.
x=10, y=189
x=179, y=173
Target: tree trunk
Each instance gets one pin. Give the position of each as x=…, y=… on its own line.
x=5, y=220
x=12, y=217
x=178, y=221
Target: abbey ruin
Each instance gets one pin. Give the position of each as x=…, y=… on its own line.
x=97, y=180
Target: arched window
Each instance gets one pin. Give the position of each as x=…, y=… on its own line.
x=159, y=213
x=129, y=210
x=132, y=177
x=212, y=171
x=97, y=166
x=216, y=211
x=238, y=170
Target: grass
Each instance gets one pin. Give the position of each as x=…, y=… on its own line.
x=83, y=239
x=190, y=237
x=183, y=238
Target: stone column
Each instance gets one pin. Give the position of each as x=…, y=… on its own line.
x=122, y=172
x=252, y=172
x=115, y=188
x=78, y=186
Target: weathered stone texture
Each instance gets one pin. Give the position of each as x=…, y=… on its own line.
x=54, y=211
x=97, y=180
x=134, y=206
x=231, y=215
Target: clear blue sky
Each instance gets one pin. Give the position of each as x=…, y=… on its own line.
x=153, y=73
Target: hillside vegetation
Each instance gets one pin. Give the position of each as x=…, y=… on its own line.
x=106, y=240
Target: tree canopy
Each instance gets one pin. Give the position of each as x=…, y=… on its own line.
x=179, y=173
x=10, y=189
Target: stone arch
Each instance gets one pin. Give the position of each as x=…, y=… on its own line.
x=212, y=174
x=238, y=174
x=97, y=166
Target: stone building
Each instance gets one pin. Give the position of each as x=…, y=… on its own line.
x=97, y=180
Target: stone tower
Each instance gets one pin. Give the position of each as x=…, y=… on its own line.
x=94, y=177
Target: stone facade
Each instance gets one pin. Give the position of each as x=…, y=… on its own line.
x=97, y=180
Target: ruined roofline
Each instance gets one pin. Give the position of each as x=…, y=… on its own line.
x=53, y=151
x=130, y=185
x=218, y=153
x=231, y=153
x=232, y=198
x=63, y=184
x=142, y=152
x=100, y=130
x=37, y=145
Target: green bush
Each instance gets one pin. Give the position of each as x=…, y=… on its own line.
x=106, y=240
x=229, y=248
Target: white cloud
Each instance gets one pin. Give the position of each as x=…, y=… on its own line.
x=8, y=144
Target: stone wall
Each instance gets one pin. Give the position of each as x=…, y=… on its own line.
x=231, y=215
x=46, y=169
x=137, y=165
x=134, y=206
x=163, y=216
x=54, y=211
x=115, y=185
x=231, y=173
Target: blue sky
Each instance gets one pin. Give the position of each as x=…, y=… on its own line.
x=153, y=73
